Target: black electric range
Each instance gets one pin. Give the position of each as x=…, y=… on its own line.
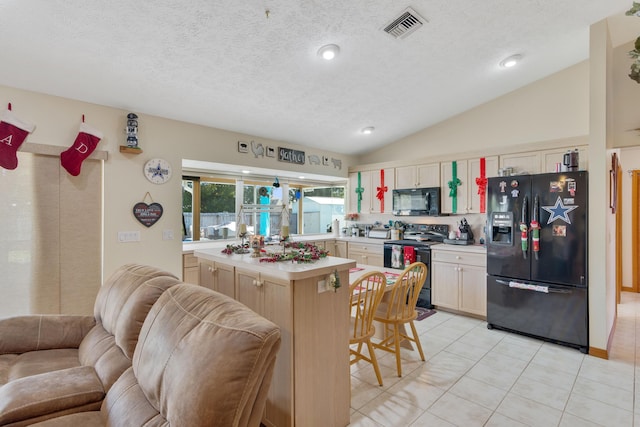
x=421, y=237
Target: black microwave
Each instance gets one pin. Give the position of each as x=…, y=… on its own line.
x=416, y=201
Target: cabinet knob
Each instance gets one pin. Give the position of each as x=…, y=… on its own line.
x=458, y=257
x=259, y=283
x=210, y=269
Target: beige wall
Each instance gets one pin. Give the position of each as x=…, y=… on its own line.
x=556, y=107
x=58, y=119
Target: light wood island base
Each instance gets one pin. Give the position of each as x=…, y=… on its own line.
x=311, y=380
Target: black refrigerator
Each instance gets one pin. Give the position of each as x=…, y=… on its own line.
x=537, y=256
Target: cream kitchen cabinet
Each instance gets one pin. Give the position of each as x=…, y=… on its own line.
x=218, y=277
x=459, y=281
x=370, y=181
x=550, y=158
x=522, y=163
x=366, y=253
x=272, y=299
x=418, y=176
x=190, y=269
x=337, y=248
x=491, y=170
x=462, y=191
x=543, y=161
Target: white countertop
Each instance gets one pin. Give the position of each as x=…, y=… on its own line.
x=282, y=270
x=478, y=249
x=188, y=247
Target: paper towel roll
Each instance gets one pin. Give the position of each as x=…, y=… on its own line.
x=335, y=228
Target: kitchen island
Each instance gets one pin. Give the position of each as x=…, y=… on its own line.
x=311, y=379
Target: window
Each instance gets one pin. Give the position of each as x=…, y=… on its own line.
x=51, y=231
x=217, y=202
x=319, y=207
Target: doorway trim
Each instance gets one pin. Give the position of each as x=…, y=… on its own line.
x=635, y=216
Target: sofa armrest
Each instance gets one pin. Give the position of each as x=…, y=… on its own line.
x=49, y=393
x=43, y=332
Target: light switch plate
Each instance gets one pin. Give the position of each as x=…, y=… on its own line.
x=128, y=236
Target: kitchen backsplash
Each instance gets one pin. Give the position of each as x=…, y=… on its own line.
x=476, y=221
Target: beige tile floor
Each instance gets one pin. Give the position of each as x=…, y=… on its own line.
x=473, y=376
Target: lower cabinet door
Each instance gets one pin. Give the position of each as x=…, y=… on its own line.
x=444, y=284
x=473, y=289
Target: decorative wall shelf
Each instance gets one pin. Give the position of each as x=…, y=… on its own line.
x=129, y=150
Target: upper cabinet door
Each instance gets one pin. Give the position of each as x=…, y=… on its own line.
x=522, y=163
x=365, y=184
x=446, y=204
x=389, y=182
x=418, y=176
x=491, y=170
x=406, y=177
x=429, y=175
x=550, y=158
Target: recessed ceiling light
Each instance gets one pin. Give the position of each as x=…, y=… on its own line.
x=301, y=177
x=246, y=171
x=510, y=61
x=368, y=130
x=328, y=51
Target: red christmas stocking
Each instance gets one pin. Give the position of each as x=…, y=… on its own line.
x=85, y=143
x=13, y=132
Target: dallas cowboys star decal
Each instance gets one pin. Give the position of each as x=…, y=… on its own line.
x=559, y=211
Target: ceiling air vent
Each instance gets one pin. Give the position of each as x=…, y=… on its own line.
x=405, y=24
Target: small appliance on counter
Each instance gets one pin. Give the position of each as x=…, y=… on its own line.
x=379, y=233
x=466, y=235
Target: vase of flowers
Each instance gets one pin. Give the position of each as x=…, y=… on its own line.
x=351, y=216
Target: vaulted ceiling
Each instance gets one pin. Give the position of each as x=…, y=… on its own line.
x=252, y=66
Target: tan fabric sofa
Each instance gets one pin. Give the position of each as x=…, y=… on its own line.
x=55, y=365
x=203, y=359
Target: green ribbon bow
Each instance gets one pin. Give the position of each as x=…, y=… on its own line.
x=453, y=186
x=359, y=191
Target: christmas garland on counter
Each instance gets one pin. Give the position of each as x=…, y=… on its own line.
x=299, y=252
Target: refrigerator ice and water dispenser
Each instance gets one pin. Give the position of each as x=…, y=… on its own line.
x=502, y=228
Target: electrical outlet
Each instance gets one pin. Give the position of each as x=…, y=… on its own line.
x=322, y=286
x=128, y=236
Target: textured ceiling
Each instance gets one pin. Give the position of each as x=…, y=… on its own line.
x=225, y=64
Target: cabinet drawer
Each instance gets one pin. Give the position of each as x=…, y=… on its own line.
x=459, y=257
x=189, y=260
x=365, y=247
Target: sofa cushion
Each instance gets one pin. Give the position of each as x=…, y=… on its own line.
x=125, y=299
x=38, y=362
x=21, y=334
x=109, y=346
x=193, y=341
x=49, y=394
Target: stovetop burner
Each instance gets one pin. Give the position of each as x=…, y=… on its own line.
x=426, y=232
